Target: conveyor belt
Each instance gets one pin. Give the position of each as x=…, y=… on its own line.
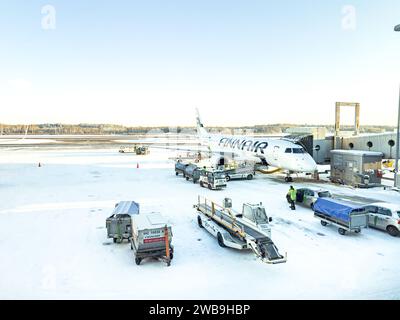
x=259, y=242
x=226, y=217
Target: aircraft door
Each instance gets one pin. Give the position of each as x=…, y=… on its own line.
x=276, y=153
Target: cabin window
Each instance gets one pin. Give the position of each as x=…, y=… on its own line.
x=384, y=212
x=288, y=150
x=298, y=150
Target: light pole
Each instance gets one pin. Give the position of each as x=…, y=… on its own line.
x=396, y=167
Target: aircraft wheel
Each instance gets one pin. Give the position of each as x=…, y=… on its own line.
x=187, y=178
x=138, y=261
x=228, y=178
x=250, y=177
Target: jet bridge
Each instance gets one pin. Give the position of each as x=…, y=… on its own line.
x=239, y=231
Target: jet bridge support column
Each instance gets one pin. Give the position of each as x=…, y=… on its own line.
x=338, y=106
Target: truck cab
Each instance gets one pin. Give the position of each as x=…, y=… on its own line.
x=213, y=179
x=141, y=150
x=256, y=215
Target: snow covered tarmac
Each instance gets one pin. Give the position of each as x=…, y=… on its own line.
x=53, y=240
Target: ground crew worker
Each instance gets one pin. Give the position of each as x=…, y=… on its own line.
x=291, y=197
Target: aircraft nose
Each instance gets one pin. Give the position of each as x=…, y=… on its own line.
x=310, y=166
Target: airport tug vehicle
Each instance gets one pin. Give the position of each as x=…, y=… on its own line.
x=213, y=179
x=151, y=238
x=247, y=230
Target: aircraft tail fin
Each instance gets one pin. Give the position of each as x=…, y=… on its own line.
x=201, y=131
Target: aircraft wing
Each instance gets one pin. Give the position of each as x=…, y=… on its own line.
x=191, y=148
x=202, y=148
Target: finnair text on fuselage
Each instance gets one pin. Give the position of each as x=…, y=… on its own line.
x=243, y=144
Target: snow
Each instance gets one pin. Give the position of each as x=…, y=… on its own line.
x=24, y=141
x=54, y=246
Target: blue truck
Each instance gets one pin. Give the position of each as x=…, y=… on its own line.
x=347, y=216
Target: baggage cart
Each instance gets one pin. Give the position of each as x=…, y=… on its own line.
x=346, y=216
x=151, y=238
x=119, y=223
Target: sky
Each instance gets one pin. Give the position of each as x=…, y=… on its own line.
x=240, y=62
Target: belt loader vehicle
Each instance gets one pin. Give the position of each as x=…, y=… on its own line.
x=348, y=217
x=247, y=230
x=212, y=179
x=119, y=223
x=151, y=238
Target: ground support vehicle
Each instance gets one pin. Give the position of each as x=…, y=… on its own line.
x=248, y=230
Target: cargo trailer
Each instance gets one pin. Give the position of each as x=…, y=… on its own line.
x=151, y=238
x=119, y=223
x=347, y=216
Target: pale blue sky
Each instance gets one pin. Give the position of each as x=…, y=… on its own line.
x=239, y=62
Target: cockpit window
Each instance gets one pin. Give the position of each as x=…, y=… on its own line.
x=288, y=150
x=298, y=150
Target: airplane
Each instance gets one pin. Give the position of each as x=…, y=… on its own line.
x=281, y=153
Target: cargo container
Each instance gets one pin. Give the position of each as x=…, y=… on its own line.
x=192, y=172
x=151, y=238
x=356, y=167
x=119, y=223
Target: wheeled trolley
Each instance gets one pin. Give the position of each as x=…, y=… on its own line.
x=151, y=238
x=347, y=217
x=119, y=223
x=160, y=253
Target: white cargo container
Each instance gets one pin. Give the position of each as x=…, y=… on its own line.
x=151, y=237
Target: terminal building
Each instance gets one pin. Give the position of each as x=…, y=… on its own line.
x=322, y=145
x=320, y=142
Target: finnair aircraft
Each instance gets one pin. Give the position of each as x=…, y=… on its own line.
x=280, y=153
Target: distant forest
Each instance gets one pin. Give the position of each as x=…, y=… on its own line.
x=102, y=129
